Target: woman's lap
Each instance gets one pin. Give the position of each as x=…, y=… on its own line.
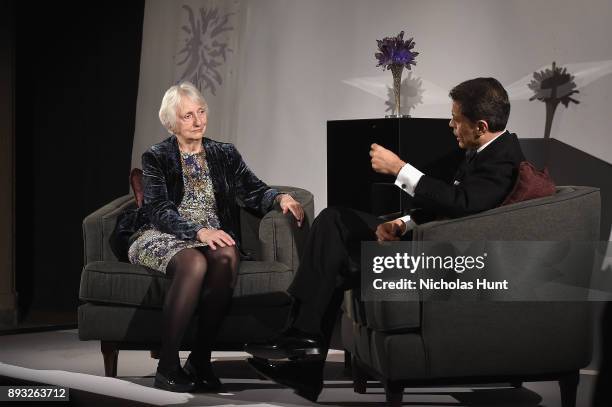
x=155, y=249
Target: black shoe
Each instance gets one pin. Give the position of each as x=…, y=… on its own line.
x=293, y=344
x=203, y=376
x=174, y=380
x=304, y=377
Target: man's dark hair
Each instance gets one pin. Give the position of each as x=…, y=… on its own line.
x=483, y=99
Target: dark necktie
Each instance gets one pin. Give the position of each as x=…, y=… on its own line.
x=469, y=160
x=470, y=155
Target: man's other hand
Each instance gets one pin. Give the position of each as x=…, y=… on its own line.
x=390, y=231
x=385, y=161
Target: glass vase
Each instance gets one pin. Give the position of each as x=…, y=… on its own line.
x=396, y=71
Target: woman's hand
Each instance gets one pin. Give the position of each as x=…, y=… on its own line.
x=213, y=237
x=288, y=204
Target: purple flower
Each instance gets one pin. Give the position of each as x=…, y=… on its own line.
x=395, y=51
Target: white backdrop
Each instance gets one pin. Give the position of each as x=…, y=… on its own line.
x=300, y=63
x=194, y=40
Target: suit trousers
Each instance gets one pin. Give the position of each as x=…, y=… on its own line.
x=330, y=264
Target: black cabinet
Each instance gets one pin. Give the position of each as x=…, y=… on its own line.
x=428, y=144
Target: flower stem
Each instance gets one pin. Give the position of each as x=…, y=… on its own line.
x=396, y=71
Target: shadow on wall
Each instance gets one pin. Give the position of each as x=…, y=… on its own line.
x=550, y=85
x=553, y=86
x=411, y=94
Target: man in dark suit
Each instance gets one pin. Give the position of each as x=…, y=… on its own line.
x=330, y=262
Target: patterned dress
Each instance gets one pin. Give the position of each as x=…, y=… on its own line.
x=153, y=248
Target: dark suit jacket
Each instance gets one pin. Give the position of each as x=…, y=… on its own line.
x=481, y=184
x=233, y=182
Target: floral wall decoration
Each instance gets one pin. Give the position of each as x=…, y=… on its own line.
x=205, y=47
x=553, y=86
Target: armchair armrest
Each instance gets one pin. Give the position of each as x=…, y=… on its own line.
x=572, y=214
x=98, y=226
x=550, y=218
x=276, y=237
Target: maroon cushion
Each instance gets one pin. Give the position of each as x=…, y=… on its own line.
x=136, y=182
x=530, y=184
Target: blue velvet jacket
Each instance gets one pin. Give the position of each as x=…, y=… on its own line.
x=233, y=183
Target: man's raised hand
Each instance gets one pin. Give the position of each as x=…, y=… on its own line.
x=385, y=161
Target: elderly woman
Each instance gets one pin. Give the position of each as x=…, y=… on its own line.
x=191, y=188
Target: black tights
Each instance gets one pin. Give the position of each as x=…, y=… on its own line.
x=201, y=278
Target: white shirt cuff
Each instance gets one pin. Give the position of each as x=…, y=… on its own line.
x=409, y=223
x=408, y=178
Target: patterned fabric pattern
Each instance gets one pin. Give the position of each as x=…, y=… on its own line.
x=198, y=202
x=153, y=248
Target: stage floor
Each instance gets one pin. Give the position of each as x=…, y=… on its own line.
x=60, y=358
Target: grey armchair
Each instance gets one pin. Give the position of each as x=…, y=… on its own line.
x=432, y=343
x=122, y=302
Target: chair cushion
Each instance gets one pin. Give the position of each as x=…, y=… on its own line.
x=129, y=284
x=251, y=318
x=530, y=184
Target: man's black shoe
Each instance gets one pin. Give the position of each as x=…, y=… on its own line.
x=174, y=380
x=292, y=343
x=203, y=376
x=304, y=377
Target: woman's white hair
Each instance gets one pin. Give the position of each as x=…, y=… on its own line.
x=168, y=112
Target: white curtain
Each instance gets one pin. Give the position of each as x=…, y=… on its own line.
x=196, y=41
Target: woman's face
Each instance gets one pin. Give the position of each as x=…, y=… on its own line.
x=191, y=120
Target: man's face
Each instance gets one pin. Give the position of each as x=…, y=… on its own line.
x=191, y=120
x=463, y=128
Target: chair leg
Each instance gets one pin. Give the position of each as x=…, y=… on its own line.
x=110, y=353
x=569, y=388
x=360, y=377
x=394, y=392
x=347, y=363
